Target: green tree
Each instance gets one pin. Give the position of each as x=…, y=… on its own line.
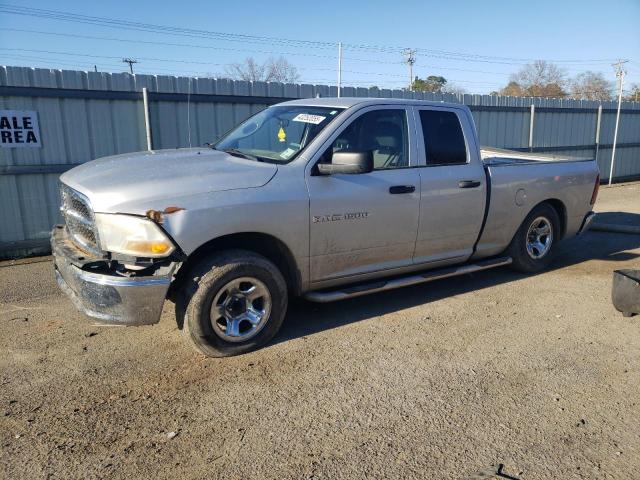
x=513, y=89
x=433, y=84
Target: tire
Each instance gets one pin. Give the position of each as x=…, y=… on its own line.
x=227, y=278
x=528, y=254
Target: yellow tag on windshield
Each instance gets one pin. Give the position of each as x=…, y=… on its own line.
x=282, y=136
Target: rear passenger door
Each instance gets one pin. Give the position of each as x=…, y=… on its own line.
x=453, y=186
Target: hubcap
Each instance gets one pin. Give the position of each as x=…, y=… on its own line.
x=240, y=309
x=539, y=238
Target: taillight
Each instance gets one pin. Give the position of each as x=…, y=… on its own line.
x=596, y=188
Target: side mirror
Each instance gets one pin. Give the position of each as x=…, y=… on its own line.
x=350, y=163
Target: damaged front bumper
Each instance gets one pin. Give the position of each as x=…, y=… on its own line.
x=106, y=296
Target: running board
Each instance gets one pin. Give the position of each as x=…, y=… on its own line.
x=383, y=285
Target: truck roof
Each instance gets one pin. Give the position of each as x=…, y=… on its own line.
x=346, y=102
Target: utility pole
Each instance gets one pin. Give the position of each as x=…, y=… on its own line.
x=130, y=61
x=620, y=73
x=410, y=59
x=339, y=68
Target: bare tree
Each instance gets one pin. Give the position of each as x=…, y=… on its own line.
x=634, y=93
x=454, y=89
x=249, y=71
x=273, y=70
x=537, y=79
x=591, y=86
x=280, y=70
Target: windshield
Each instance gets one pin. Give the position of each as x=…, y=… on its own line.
x=277, y=134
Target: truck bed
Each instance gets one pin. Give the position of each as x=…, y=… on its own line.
x=500, y=156
x=520, y=180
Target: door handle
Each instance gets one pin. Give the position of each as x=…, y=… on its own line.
x=469, y=183
x=397, y=189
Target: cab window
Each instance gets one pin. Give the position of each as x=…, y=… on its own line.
x=383, y=132
x=443, y=138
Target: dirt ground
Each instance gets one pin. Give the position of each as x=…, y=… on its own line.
x=445, y=380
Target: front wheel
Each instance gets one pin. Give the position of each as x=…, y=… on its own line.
x=234, y=302
x=532, y=246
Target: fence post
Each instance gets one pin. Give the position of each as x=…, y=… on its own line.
x=598, y=130
x=532, y=117
x=147, y=121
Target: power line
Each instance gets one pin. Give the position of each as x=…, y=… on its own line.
x=185, y=45
x=196, y=62
x=220, y=75
x=113, y=57
x=125, y=24
x=200, y=46
x=56, y=62
x=171, y=30
x=357, y=82
x=209, y=74
x=157, y=59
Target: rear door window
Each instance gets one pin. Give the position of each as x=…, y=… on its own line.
x=443, y=138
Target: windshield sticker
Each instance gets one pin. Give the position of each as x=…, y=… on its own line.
x=282, y=136
x=333, y=112
x=308, y=118
x=287, y=153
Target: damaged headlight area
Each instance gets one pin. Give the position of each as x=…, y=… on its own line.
x=131, y=235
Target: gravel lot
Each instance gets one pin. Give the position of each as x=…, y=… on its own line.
x=445, y=380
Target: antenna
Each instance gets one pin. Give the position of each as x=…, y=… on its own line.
x=409, y=59
x=130, y=61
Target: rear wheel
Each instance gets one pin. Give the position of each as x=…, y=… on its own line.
x=234, y=302
x=532, y=246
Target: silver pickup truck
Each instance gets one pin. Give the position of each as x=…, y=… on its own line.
x=324, y=198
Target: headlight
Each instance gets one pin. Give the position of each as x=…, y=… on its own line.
x=131, y=235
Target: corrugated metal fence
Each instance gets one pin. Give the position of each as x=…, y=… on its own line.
x=86, y=115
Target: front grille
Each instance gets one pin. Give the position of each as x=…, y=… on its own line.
x=78, y=217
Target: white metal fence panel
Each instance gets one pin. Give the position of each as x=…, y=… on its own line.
x=87, y=115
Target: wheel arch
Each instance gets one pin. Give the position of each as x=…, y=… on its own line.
x=561, y=210
x=521, y=259
x=263, y=244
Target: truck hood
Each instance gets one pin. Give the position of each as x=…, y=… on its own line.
x=136, y=182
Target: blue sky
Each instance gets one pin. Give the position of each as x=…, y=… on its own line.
x=578, y=35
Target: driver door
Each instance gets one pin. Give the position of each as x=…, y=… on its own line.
x=364, y=223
